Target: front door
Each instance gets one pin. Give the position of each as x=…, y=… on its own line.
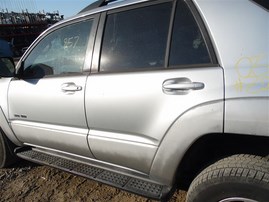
x=46, y=106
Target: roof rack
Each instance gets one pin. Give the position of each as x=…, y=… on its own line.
x=96, y=4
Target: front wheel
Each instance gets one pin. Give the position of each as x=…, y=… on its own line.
x=238, y=178
x=7, y=156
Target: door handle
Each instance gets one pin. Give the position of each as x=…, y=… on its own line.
x=181, y=86
x=70, y=87
x=185, y=86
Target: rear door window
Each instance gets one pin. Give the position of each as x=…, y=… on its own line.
x=136, y=39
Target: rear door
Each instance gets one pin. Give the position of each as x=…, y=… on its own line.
x=46, y=106
x=154, y=66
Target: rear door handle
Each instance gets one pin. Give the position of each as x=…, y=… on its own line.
x=70, y=87
x=181, y=86
x=185, y=86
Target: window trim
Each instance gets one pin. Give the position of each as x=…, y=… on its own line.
x=170, y=33
x=98, y=43
x=136, y=6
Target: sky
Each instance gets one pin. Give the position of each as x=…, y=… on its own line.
x=67, y=8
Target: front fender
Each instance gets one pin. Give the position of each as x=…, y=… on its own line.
x=4, y=124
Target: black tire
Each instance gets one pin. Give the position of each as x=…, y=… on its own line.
x=7, y=155
x=236, y=178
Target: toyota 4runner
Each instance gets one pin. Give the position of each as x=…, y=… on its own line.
x=147, y=96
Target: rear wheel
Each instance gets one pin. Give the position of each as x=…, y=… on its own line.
x=238, y=178
x=7, y=156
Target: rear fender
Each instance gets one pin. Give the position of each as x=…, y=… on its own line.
x=248, y=116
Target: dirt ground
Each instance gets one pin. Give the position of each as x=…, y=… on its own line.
x=29, y=182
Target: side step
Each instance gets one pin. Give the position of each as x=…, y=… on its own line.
x=131, y=184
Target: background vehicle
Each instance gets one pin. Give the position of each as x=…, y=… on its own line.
x=5, y=49
x=148, y=96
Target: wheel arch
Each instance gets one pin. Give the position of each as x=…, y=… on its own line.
x=212, y=147
x=197, y=139
x=6, y=129
x=187, y=129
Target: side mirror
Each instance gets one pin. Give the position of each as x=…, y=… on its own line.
x=7, y=67
x=37, y=71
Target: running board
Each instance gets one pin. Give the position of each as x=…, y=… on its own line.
x=131, y=184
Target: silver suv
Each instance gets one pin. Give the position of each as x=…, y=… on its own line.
x=148, y=96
